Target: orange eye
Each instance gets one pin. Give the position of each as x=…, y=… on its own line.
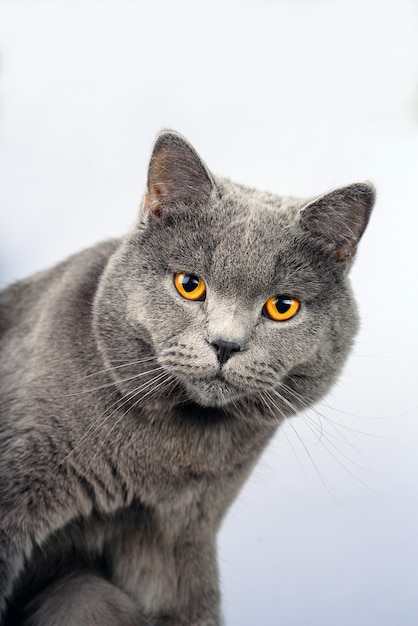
x=190, y=286
x=281, y=308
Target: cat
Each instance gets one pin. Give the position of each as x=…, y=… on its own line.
x=142, y=378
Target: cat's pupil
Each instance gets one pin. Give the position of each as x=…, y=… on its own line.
x=283, y=304
x=190, y=282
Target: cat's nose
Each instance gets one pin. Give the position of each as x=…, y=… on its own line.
x=224, y=349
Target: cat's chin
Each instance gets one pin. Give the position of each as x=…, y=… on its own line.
x=215, y=392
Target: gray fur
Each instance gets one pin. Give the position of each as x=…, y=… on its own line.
x=121, y=446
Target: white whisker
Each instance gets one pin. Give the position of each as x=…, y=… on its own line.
x=117, y=422
x=103, y=418
x=284, y=431
x=347, y=458
x=116, y=382
x=115, y=367
x=325, y=436
x=317, y=470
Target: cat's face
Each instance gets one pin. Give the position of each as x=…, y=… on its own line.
x=237, y=296
x=243, y=257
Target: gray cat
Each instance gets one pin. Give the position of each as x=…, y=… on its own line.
x=142, y=378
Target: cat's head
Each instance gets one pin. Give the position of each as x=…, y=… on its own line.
x=239, y=294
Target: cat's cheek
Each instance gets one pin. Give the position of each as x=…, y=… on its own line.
x=157, y=310
x=283, y=352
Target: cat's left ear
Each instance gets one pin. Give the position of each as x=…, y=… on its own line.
x=176, y=173
x=339, y=219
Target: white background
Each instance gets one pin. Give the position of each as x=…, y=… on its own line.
x=294, y=96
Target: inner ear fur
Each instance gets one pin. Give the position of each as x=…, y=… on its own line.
x=176, y=173
x=339, y=218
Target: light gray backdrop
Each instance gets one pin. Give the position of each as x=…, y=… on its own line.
x=295, y=97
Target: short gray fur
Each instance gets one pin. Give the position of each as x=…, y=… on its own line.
x=123, y=438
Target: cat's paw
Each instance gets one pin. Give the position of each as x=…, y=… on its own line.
x=10, y=564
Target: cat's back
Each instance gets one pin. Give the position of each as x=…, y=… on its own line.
x=26, y=302
x=45, y=329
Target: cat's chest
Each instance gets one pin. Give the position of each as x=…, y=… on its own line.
x=188, y=446
x=157, y=498
x=169, y=465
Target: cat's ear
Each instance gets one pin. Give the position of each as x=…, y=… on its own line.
x=176, y=173
x=339, y=218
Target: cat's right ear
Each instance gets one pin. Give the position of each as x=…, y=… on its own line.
x=176, y=174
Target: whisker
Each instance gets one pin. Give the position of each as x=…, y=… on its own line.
x=115, y=367
x=305, y=400
x=340, y=463
x=284, y=431
x=317, y=470
x=340, y=437
x=318, y=413
x=374, y=419
x=116, y=382
x=365, y=469
x=308, y=420
x=94, y=427
x=335, y=411
x=122, y=416
x=345, y=468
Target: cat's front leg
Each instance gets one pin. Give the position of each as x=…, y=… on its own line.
x=174, y=581
x=30, y=512
x=15, y=548
x=198, y=595
x=11, y=562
